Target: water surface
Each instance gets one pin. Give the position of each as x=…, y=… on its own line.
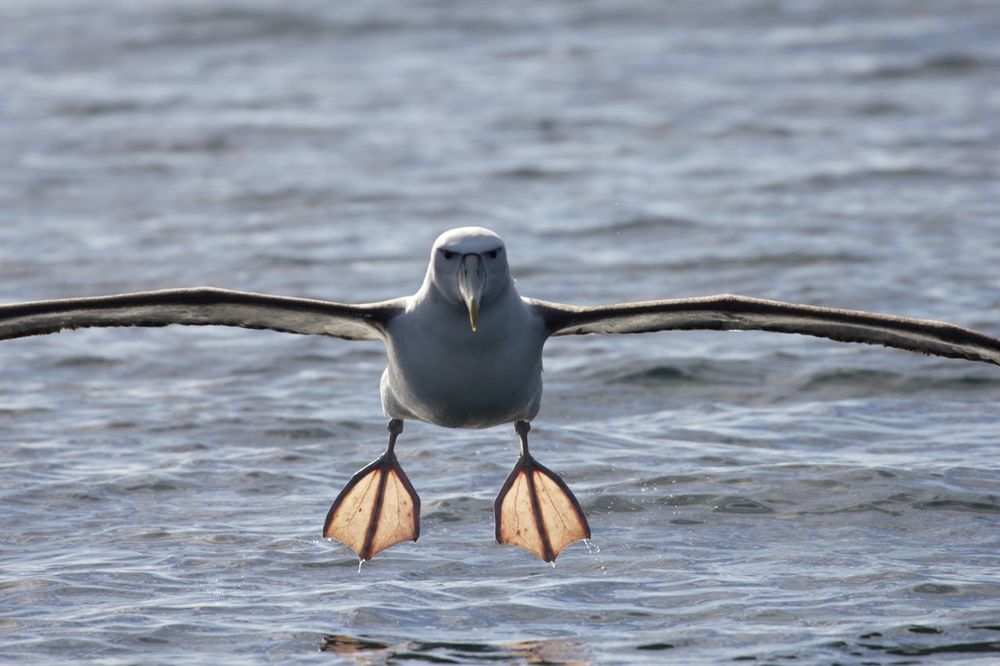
x=752, y=496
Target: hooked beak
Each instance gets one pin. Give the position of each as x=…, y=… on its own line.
x=471, y=283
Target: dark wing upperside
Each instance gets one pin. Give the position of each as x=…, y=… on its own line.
x=202, y=306
x=728, y=312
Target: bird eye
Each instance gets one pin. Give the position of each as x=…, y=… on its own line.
x=448, y=254
x=492, y=254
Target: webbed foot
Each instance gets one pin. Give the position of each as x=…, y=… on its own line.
x=535, y=509
x=378, y=507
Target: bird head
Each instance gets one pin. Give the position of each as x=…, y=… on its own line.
x=468, y=267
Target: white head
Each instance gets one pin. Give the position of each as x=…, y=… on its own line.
x=468, y=267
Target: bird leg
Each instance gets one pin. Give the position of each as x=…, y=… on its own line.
x=378, y=507
x=535, y=508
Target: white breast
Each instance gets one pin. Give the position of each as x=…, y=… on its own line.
x=442, y=372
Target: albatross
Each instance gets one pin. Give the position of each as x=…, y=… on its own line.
x=465, y=351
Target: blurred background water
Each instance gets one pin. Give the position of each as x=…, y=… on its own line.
x=752, y=496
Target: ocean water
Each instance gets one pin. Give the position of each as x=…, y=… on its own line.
x=752, y=496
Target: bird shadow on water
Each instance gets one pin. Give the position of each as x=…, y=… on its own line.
x=366, y=650
x=913, y=641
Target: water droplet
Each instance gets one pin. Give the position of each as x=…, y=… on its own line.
x=592, y=547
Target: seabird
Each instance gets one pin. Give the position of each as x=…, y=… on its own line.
x=465, y=351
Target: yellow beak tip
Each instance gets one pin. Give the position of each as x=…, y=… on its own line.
x=474, y=318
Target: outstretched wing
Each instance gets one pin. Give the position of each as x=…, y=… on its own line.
x=728, y=312
x=203, y=306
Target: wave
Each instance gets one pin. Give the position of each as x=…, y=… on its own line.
x=942, y=64
x=645, y=222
